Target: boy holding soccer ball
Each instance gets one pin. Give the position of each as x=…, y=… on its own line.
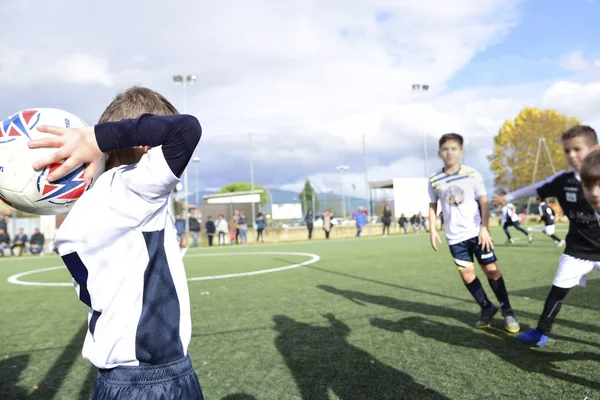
x=120, y=245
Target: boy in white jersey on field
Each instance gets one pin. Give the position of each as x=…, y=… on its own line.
x=120, y=245
x=582, y=250
x=465, y=208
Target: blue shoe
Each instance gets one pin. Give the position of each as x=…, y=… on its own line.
x=533, y=337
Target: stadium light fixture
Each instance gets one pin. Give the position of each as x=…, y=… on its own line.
x=422, y=88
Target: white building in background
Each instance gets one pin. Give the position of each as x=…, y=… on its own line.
x=410, y=195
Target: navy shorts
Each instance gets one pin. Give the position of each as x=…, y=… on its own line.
x=463, y=253
x=175, y=380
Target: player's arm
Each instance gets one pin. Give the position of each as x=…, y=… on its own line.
x=484, y=238
x=546, y=188
x=178, y=136
x=433, y=234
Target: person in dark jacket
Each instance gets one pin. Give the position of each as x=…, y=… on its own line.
x=194, y=229
x=19, y=241
x=36, y=244
x=403, y=222
x=4, y=241
x=210, y=230
x=386, y=219
x=310, y=221
x=261, y=224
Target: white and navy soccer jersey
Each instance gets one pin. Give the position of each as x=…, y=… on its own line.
x=458, y=194
x=120, y=245
x=508, y=214
x=583, y=238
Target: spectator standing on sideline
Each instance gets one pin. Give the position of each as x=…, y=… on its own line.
x=194, y=228
x=327, y=223
x=222, y=229
x=180, y=228
x=361, y=219
x=386, y=219
x=243, y=224
x=310, y=220
x=210, y=230
x=261, y=224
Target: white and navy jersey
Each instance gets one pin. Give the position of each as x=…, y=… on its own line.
x=546, y=214
x=508, y=213
x=120, y=245
x=583, y=238
x=458, y=194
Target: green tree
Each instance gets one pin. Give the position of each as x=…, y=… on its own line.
x=306, y=197
x=245, y=187
x=515, y=147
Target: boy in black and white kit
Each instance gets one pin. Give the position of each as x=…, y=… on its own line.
x=548, y=217
x=120, y=245
x=582, y=251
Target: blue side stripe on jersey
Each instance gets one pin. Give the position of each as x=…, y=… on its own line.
x=93, y=320
x=80, y=273
x=157, y=339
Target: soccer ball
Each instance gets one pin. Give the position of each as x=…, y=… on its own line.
x=25, y=189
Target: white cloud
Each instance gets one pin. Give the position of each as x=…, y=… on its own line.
x=577, y=62
x=313, y=76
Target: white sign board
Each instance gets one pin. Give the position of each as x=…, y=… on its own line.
x=411, y=195
x=286, y=211
x=235, y=199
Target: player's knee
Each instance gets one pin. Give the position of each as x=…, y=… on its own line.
x=467, y=274
x=491, y=271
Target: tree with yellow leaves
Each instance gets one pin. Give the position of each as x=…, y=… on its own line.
x=516, y=144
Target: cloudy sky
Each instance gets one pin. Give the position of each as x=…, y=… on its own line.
x=309, y=78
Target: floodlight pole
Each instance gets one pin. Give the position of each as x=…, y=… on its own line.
x=184, y=82
x=422, y=88
x=196, y=160
x=252, y=188
x=342, y=169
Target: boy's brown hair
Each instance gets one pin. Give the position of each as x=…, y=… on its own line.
x=132, y=103
x=451, y=136
x=583, y=131
x=590, y=169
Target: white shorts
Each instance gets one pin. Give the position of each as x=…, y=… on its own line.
x=573, y=271
x=549, y=229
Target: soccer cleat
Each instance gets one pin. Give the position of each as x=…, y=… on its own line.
x=485, y=318
x=561, y=243
x=533, y=337
x=510, y=321
x=530, y=238
x=510, y=241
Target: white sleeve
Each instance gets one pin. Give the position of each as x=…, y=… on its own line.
x=480, y=189
x=527, y=191
x=433, y=197
x=151, y=178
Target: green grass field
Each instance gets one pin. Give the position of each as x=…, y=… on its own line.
x=374, y=318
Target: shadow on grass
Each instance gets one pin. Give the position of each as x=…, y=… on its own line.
x=502, y=346
x=10, y=375
x=57, y=373
x=468, y=318
x=322, y=361
x=520, y=313
x=577, y=297
x=239, y=396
